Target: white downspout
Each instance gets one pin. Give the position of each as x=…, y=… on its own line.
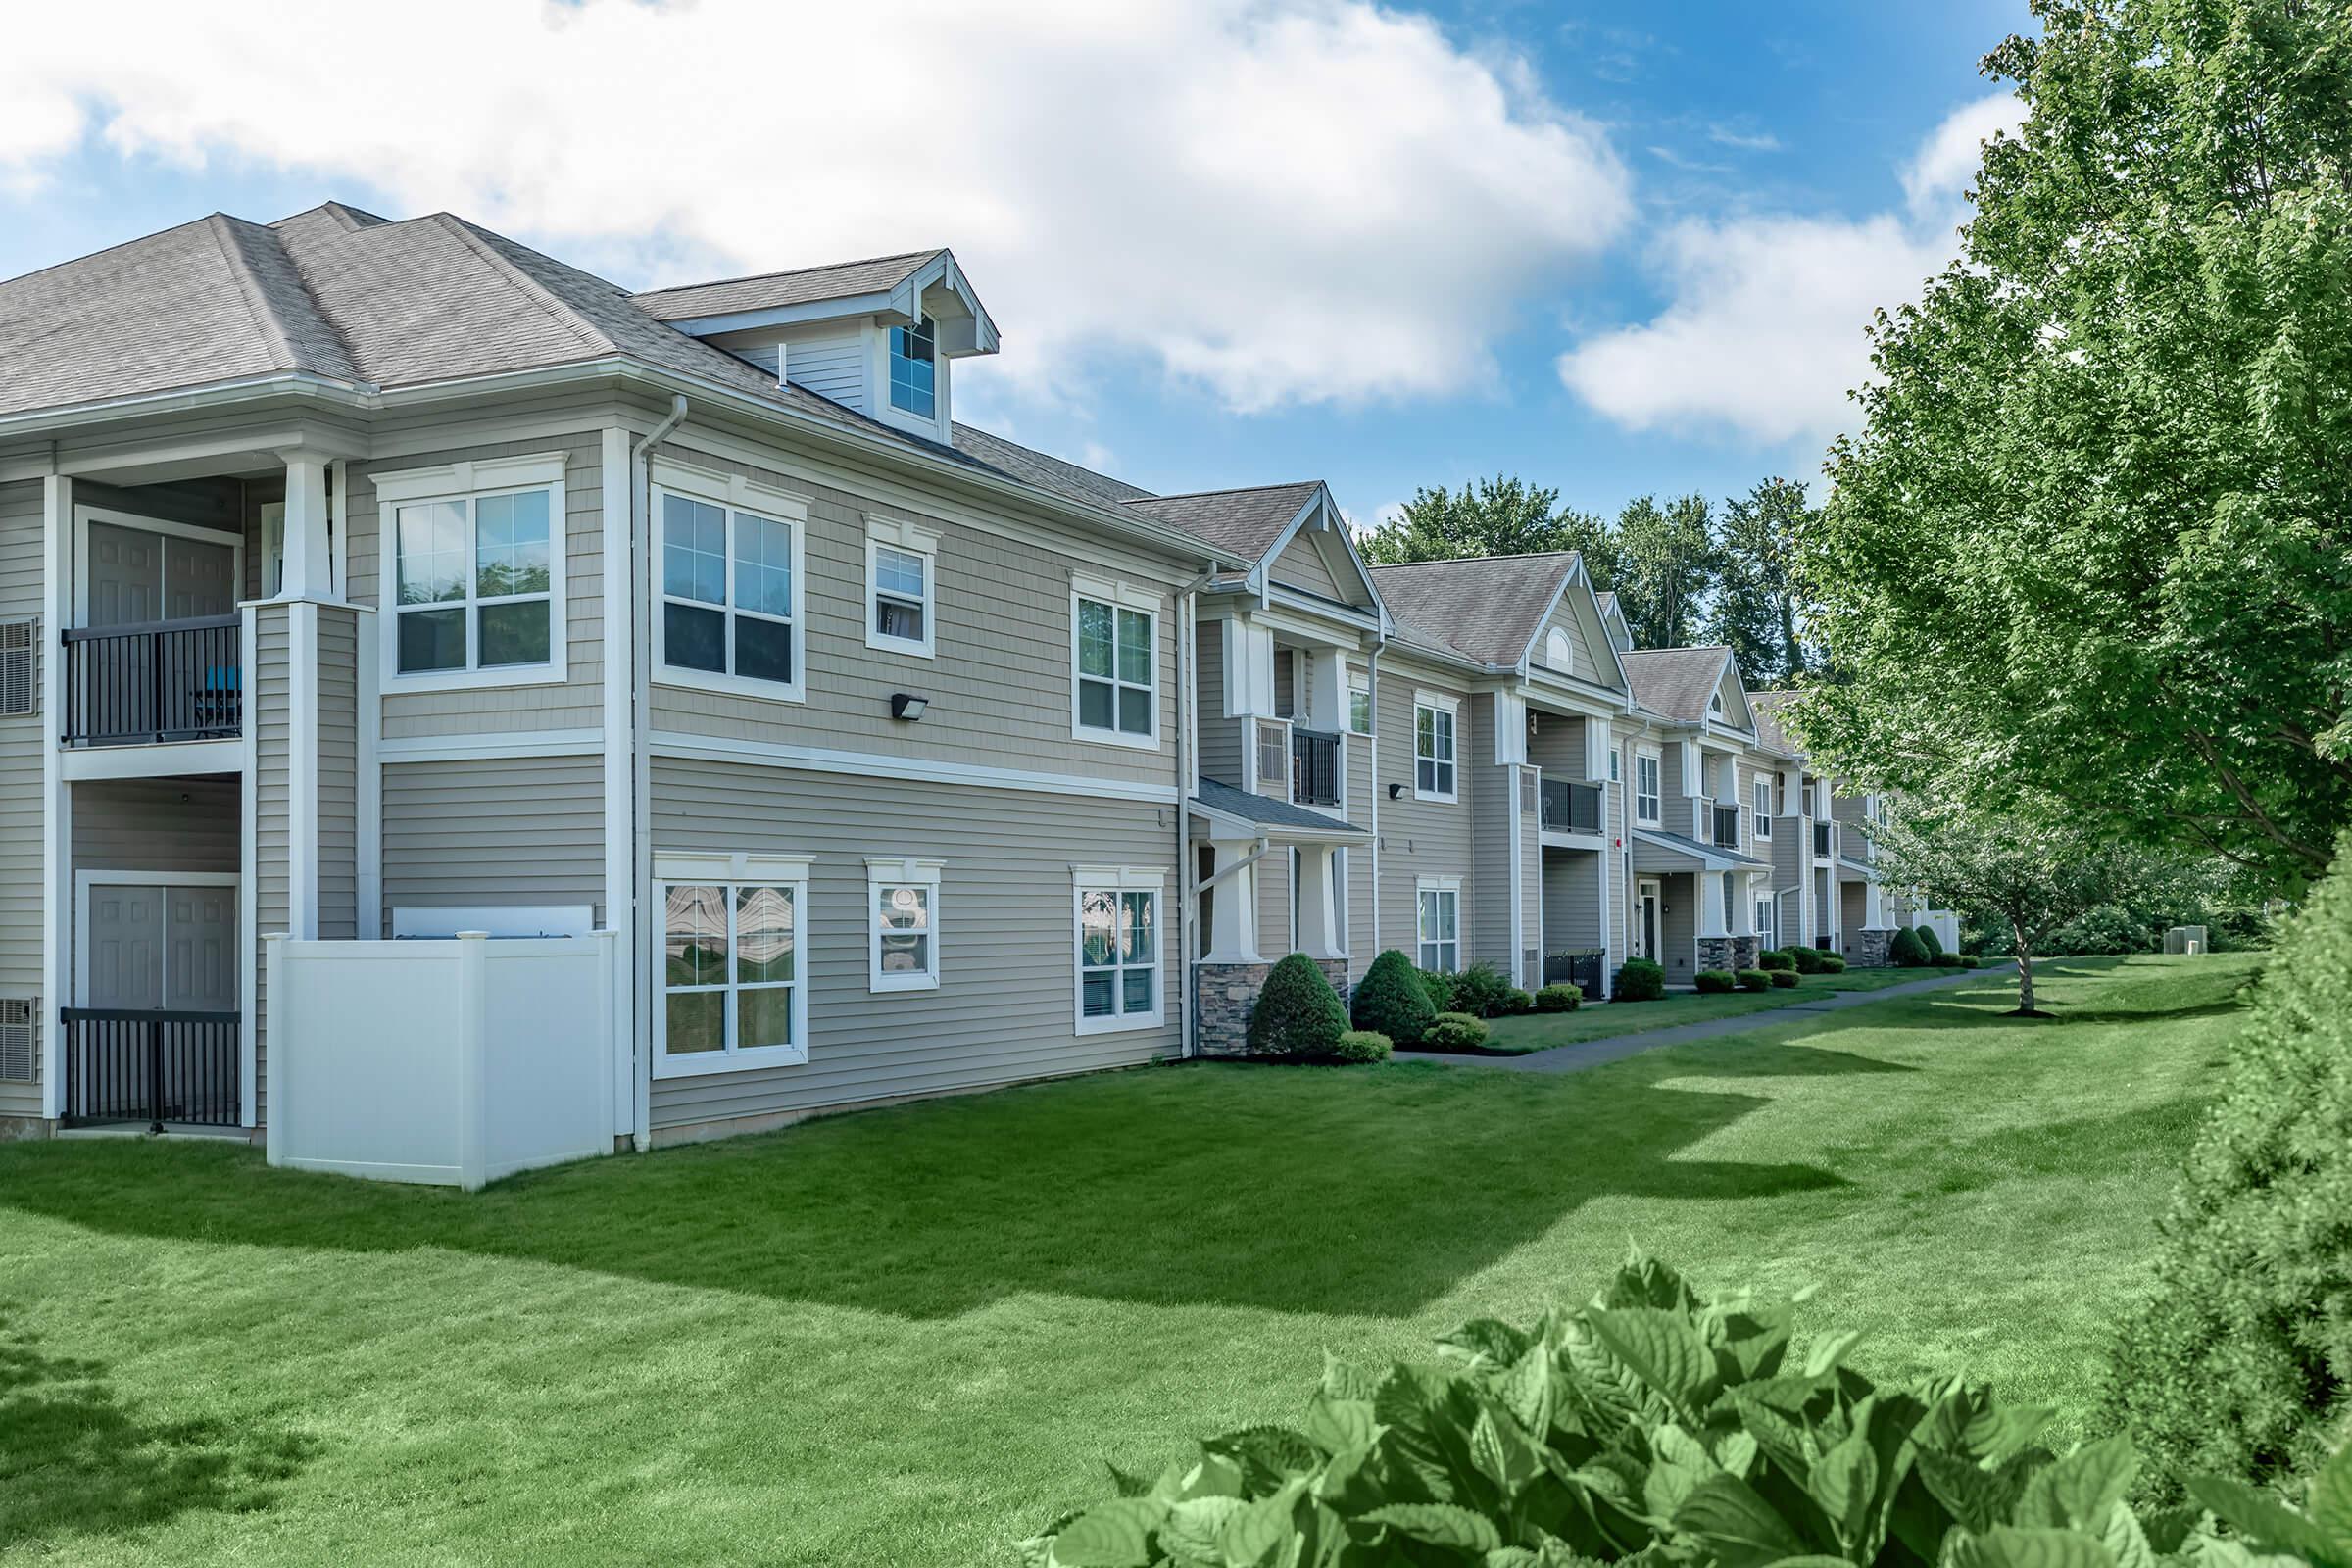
x=641, y=747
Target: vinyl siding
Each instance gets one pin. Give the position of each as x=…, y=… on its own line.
x=1572, y=900
x=22, y=742
x=339, y=631
x=1273, y=875
x=1005, y=1011
x=1678, y=892
x=272, y=872
x=1220, y=738
x=576, y=703
x=1419, y=838
x=1362, y=893
x=156, y=824
x=1531, y=880
x=1301, y=566
x=1487, y=789
x=525, y=830
x=1564, y=618
x=1002, y=685
x=831, y=364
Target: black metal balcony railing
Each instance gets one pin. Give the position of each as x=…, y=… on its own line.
x=1570, y=806
x=155, y=1065
x=1582, y=969
x=1314, y=767
x=1821, y=838
x=1727, y=826
x=166, y=680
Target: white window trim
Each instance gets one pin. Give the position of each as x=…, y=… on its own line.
x=731, y=871
x=1642, y=754
x=885, y=872
x=1451, y=707
x=1359, y=680
x=1422, y=888
x=1558, y=641
x=1120, y=596
x=467, y=480
x=735, y=493
x=1763, y=808
x=1152, y=879
x=915, y=539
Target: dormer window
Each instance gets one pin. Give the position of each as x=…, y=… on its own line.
x=914, y=369
x=1715, y=705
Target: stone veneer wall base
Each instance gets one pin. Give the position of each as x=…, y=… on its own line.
x=1225, y=995
x=1872, y=951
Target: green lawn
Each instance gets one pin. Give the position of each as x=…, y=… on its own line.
x=911, y=1336
x=1541, y=1031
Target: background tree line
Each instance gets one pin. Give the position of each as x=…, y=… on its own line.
x=1685, y=572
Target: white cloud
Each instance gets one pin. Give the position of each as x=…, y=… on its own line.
x=1746, y=141
x=1763, y=335
x=1282, y=200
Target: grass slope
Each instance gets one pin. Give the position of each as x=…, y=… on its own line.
x=911, y=1336
x=1541, y=1031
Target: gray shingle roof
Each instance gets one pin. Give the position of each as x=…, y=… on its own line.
x=1244, y=521
x=1687, y=845
x=767, y=291
x=1045, y=471
x=1767, y=708
x=1487, y=608
x=1266, y=810
x=1676, y=682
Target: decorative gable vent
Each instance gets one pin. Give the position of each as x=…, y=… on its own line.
x=20, y=1058
x=21, y=666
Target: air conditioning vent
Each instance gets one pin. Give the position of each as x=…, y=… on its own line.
x=20, y=666
x=20, y=1056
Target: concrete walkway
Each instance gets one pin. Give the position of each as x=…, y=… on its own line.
x=1592, y=1053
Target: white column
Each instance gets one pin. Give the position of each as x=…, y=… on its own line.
x=1326, y=678
x=1597, y=749
x=310, y=573
x=57, y=827
x=1710, y=903
x=1318, y=921
x=1233, y=906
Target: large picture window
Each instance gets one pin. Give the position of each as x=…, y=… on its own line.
x=732, y=991
x=473, y=573
x=1440, y=928
x=1118, y=948
x=1117, y=672
x=728, y=612
x=1432, y=750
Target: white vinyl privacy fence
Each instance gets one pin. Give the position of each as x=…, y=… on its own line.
x=452, y=1061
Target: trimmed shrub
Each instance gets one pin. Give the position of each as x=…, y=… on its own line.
x=1298, y=1016
x=1806, y=959
x=1361, y=1045
x=1390, y=1001
x=1754, y=979
x=1517, y=1000
x=1713, y=980
x=1906, y=951
x=2241, y=1359
x=1968, y=961
x=1830, y=964
x=1480, y=991
x=1776, y=959
x=1454, y=1031
x=1438, y=986
x=1782, y=977
x=1950, y=960
x=1928, y=939
x=1559, y=999
x=1640, y=980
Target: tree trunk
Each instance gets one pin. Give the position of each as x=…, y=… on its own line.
x=2025, y=971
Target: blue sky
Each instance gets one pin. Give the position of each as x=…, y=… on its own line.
x=1219, y=275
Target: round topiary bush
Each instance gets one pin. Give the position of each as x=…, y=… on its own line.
x=1390, y=999
x=1361, y=1045
x=1559, y=999
x=1776, y=959
x=1928, y=939
x=1806, y=959
x=1640, y=980
x=1830, y=964
x=1480, y=991
x=1906, y=951
x=1782, y=977
x=1713, y=981
x=1454, y=1031
x=1298, y=1016
x=2240, y=1360
x=1754, y=979
x=1438, y=986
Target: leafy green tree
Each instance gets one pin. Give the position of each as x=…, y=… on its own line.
x=1497, y=516
x=2100, y=492
x=1665, y=561
x=1754, y=607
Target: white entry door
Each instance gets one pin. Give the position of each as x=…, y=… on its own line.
x=156, y=940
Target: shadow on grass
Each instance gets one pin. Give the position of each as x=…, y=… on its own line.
x=1311, y=1190
x=73, y=1462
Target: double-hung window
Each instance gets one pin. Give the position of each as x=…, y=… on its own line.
x=473, y=573
x=1646, y=787
x=1359, y=704
x=904, y=946
x=1432, y=748
x=728, y=612
x=732, y=994
x=1439, y=925
x=1116, y=680
x=914, y=369
x=1763, y=809
x=901, y=573
x=1117, y=911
